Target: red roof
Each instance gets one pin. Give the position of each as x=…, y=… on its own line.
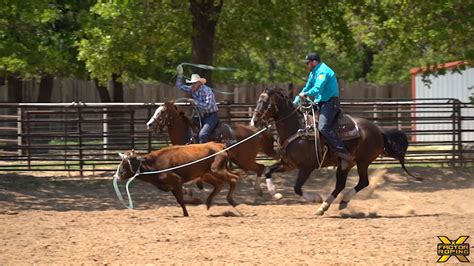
x=416, y=70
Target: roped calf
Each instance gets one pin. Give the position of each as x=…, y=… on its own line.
x=212, y=170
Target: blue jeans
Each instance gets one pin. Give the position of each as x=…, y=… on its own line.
x=209, y=123
x=327, y=120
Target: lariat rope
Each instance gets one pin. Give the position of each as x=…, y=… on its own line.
x=137, y=173
x=208, y=67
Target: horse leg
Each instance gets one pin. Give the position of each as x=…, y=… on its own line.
x=303, y=175
x=258, y=169
x=363, y=182
x=341, y=177
x=277, y=167
x=267, y=145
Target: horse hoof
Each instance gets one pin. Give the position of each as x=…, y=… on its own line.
x=277, y=196
x=342, y=205
x=319, y=212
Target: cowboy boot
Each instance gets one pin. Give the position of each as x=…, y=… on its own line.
x=346, y=160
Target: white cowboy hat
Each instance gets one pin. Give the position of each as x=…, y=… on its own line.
x=195, y=78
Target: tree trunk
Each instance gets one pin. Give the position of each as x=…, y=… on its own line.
x=45, y=89
x=103, y=92
x=15, y=93
x=204, y=16
x=118, y=89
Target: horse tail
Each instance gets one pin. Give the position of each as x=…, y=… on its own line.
x=395, y=144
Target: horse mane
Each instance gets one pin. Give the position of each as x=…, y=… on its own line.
x=283, y=94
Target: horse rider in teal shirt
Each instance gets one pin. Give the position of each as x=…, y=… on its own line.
x=323, y=88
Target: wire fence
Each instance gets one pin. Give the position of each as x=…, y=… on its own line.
x=87, y=136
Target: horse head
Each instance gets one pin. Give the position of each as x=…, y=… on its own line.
x=163, y=116
x=129, y=166
x=270, y=104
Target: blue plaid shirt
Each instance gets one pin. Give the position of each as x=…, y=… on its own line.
x=204, y=96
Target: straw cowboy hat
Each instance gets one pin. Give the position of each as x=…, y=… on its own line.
x=195, y=78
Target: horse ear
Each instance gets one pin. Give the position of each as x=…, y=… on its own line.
x=121, y=155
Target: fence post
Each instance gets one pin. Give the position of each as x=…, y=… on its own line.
x=149, y=132
x=66, y=164
x=28, y=137
x=79, y=128
x=105, y=138
x=19, y=131
x=453, y=133
x=459, y=131
x=132, y=129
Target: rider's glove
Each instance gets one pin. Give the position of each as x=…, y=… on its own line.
x=297, y=101
x=302, y=96
x=179, y=70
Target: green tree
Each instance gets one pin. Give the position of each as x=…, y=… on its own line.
x=404, y=34
x=37, y=41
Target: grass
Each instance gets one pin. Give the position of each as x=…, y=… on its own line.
x=431, y=148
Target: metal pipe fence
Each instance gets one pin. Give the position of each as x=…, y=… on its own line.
x=87, y=136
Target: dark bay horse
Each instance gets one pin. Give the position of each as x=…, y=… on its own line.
x=300, y=153
x=181, y=130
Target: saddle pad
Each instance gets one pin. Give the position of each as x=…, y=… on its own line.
x=346, y=128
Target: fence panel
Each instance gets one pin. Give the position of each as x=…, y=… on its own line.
x=87, y=137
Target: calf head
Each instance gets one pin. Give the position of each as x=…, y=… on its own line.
x=129, y=166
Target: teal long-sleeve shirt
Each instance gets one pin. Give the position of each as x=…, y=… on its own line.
x=322, y=84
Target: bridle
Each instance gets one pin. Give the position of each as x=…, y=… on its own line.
x=127, y=159
x=271, y=106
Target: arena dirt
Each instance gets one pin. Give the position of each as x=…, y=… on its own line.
x=49, y=218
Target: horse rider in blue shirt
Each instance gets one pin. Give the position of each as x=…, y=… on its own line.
x=204, y=99
x=323, y=88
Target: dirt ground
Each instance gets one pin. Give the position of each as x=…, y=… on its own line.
x=54, y=218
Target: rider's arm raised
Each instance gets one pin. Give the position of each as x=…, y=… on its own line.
x=180, y=84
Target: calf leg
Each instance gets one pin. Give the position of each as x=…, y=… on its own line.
x=177, y=183
x=199, y=184
x=178, y=194
x=217, y=188
x=224, y=175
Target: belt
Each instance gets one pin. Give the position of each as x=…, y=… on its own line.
x=210, y=113
x=330, y=100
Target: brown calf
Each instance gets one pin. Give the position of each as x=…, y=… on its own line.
x=212, y=170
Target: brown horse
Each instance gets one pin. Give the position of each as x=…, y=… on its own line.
x=300, y=153
x=208, y=168
x=181, y=131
